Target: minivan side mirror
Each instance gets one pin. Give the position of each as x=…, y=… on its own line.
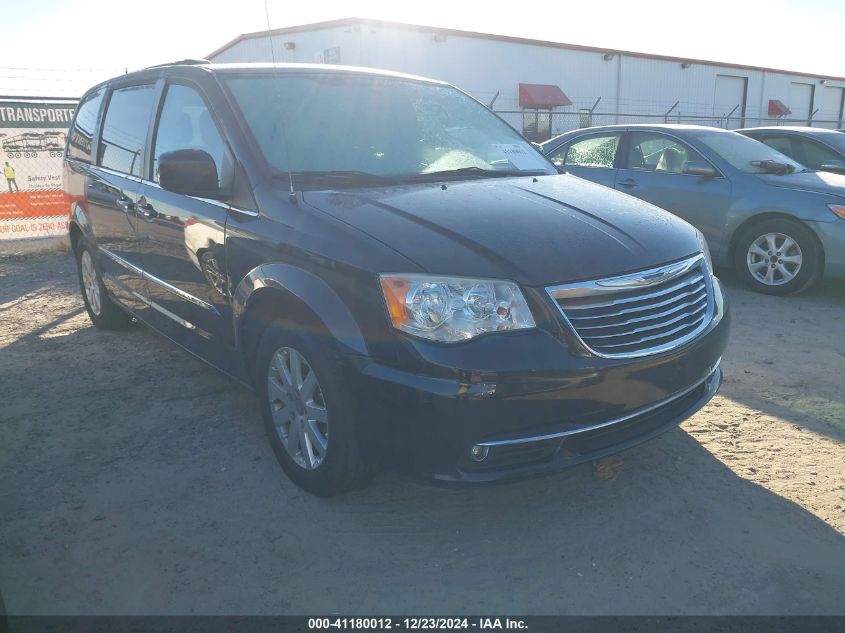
x=699, y=168
x=836, y=166
x=191, y=172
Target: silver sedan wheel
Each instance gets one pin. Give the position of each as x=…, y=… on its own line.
x=89, y=282
x=298, y=408
x=774, y=259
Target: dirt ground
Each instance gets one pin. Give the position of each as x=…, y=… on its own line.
x=136, y=480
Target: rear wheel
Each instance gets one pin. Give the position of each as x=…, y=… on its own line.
x=778, y=257
x=102, y=311
x=309, y=414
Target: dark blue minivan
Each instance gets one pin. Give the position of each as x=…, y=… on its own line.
x=395, y=271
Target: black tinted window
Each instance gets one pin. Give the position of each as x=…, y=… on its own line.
x=185, y=123
x=125, y=129
x=84, y=125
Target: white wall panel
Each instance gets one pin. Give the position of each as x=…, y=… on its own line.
x=632, y=85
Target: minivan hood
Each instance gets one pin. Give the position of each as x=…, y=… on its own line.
x=541, y=231
x=815, y=181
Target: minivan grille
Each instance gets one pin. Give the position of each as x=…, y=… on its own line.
x=642, y=313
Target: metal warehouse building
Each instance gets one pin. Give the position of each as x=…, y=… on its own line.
x=544, y=88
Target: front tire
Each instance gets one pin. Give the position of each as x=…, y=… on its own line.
x=103, y=312
x=778, y=257
x=309, y=414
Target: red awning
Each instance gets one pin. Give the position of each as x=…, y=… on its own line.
x=777, y=108
x=541, y=96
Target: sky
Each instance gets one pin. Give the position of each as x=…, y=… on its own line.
x=61, y=47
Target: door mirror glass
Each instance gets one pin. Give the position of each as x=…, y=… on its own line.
x=836, y=166
x=189, y=171
x=699, y=168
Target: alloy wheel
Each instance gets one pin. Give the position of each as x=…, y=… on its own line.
x=90, y=283
x=298, y=408
x=774, y=259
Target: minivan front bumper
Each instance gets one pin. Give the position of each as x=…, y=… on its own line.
x=528, y=404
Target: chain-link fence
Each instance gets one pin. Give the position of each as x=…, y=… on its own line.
x=540, y=125
x=32, y=142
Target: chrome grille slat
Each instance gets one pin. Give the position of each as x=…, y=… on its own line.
x=631, y=299
x=648, y=328
x=645, y=339
x=640, y=313
x=698, y=297
x=698, y=288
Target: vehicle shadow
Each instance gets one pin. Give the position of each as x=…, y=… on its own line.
x=675, y=531
x=786, y=354
x=135, y=479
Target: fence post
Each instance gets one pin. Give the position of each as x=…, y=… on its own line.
x=669, y=111
x=728, y=117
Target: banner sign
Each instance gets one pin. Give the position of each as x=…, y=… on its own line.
x=32, y=144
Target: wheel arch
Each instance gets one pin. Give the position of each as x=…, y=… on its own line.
x=773, y=215
x=78, y=226
x=272, y=292
x=75, y=234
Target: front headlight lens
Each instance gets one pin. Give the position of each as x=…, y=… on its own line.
x=451, y=309
x=706, y=251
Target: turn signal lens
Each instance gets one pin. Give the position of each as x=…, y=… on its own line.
x=451, y=309
x=395, y=290
x=838, y=209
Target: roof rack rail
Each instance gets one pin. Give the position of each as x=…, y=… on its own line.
x=182, y=62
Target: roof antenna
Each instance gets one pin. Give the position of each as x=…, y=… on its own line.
x=292, y=195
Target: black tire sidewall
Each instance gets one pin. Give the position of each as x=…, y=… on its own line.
x=811, y=264
x=340, y=466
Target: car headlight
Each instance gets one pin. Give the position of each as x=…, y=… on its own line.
x=706, y=251
x=451, y=309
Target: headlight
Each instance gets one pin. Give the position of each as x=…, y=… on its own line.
x=450, y=309
x=706, y=250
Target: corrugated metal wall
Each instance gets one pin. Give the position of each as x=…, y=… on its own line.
x=626, y=85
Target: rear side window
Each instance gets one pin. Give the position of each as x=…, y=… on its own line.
x=84, y=126
x=594, y=151
x=125, y=129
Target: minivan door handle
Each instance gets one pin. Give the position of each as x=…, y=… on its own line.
x=628, y=183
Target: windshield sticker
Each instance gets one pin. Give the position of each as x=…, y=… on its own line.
x=520, y=157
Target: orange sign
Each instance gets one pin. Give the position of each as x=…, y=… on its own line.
x=32, y=142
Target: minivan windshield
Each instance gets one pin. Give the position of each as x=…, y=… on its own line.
x=748, y=155
x=355, y=126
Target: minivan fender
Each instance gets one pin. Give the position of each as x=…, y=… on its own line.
x=79, y=221
x=309, y=289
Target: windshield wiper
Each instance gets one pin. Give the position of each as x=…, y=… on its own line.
x=474, y=172
x=337, y=177
x=774, y=167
